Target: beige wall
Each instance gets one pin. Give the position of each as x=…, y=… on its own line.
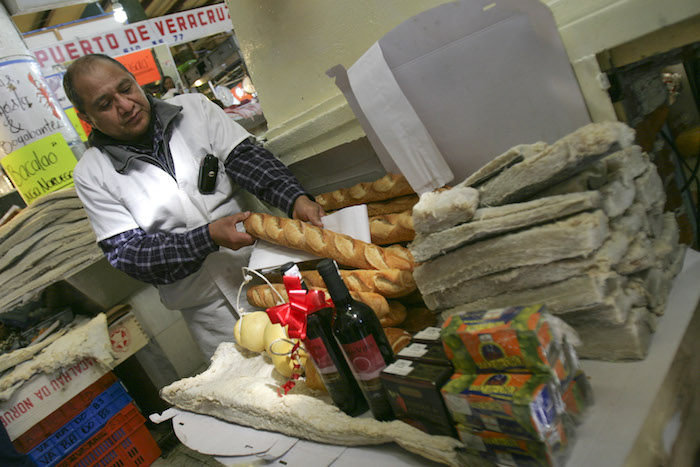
x=289, y=44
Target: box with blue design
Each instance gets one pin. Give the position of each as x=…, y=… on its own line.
x=521, y=405
x=503, y=340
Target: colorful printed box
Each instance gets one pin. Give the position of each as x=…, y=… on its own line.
x=505, y=450
x=515, y=339
x=521, y=405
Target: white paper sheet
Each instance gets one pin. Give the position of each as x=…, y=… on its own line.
x=352, y=221
x=480, y=76
x=396, y=123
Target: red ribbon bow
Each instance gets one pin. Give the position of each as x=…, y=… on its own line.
x=301, y=303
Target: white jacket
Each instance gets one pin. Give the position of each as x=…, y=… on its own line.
x=146, y=196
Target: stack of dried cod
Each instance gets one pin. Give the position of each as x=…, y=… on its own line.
x=47, y=241
x=578, y=225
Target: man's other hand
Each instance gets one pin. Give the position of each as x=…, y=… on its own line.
x=307, y=210
x=223, y=232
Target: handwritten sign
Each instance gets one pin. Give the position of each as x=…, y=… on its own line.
x=142, y=65
x=173, y=29
x=29, y=110
x=40, y=167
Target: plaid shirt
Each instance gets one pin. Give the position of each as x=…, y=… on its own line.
x=164, y=258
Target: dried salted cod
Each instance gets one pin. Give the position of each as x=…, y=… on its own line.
x=629, y=341
x=650, y=188
x=242, y=389
x=499, y=163
x=591, y=178
x=563, y=159
x=579, y=235
x=440, y=210
x=89, y=339
x=632, y=221
x=639, y=257
x=8, y=360
x=665, y=244
x=30, y=227
x=529, y=277
x=18, y=261
x=600, y=297
x=516, y=216
x=61, y=265
x=631, y=160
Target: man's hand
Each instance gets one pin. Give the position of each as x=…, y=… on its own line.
x=223, y=232
x=307, y=210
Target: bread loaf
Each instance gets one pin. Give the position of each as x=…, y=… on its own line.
x=396, y=315
x=386, y=229
x=262, y=296
x=387, y=187
x=400, y=204
x=390, y=283
x=326, y=244
x=398, y=338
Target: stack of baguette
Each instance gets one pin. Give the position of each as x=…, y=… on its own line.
x=381, y=271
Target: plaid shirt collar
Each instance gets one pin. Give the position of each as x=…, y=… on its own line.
x=122, y=153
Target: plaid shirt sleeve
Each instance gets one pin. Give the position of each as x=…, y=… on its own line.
x=159, y=258
x=258, y=171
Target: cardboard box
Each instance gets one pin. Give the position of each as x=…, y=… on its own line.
x=44, y=393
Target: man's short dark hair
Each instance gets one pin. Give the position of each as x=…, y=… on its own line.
x=81, y=65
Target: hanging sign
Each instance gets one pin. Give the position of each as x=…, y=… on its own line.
x=28, y=109
x=173, y=29
x=41, y=167
x=142, y=65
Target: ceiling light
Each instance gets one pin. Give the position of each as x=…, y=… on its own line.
x=119, y=13
x=198, y=82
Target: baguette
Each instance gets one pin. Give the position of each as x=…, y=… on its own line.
x=400, y=204
x=386, y=229
x=326, y=244
x=387, y=187
x=397, y=314
x=262, y=296
x=390, y=283
x=398, y=338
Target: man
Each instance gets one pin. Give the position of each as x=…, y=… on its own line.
x=153, y=217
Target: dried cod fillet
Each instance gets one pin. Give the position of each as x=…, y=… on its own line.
x=650, y=188
x=579, y=235
x=528, y=277
x=89, y=339
x=601, y=296
x=632, y=221
x=511, y=157
x=439, y=210
x=520, y=215
x=242, y=389
x=568, y=156
x=629, y=341
x=639, y=256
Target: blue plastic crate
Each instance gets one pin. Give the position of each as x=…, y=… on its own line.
x=81, y=427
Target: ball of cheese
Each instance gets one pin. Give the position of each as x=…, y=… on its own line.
x=250, y=329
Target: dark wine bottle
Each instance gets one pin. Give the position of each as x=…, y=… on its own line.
x=362, y=340
x=327, y=357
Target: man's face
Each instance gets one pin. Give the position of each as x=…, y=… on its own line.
x=114, y=103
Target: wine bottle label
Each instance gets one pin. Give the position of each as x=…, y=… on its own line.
x=318, y=351
x=364, y=358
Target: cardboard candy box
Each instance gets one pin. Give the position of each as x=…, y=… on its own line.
x=577, y=396
x=520, y=405
x=506, y=450
x=514, y=339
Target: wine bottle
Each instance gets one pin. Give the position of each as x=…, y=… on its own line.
x=362, y=340
x=327, y=357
